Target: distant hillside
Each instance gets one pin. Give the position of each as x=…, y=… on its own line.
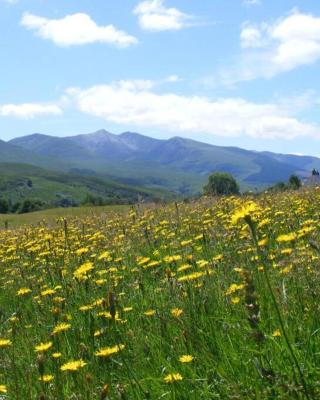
x=11, y=153
x=178, y=164
x=22, y=181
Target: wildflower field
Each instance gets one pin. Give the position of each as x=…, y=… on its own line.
x=216, y=299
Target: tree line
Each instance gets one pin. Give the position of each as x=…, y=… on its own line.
x=223, y=183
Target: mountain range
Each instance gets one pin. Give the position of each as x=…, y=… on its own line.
x=177, y=165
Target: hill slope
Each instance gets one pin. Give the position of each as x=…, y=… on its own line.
x=21, y=181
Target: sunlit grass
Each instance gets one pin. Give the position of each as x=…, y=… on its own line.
x=217, y=299
x=50, y=216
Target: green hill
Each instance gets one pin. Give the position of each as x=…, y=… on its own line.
x=22, y=181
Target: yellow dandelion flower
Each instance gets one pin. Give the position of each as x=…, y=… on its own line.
x=186, y=358
x=48, y=292
x=5, y=342
x=108, y=351
x=276, y=333
x=46, y=378
x=235, y=300
x=43, y=347
x=184, y=267
x=142, y=260
x=191, y=277
x=170, y=378
x=170, y=259
x=23, y=291
x=98, y=333
x=86, y=307
x=246, y=211
x=61, y=328
x=3, y=389
x=81, y=272
x=263, y=242
x=176, y=312
x=234, y=288
x=105, y=256
x=151, y=264
x=81, y=251
x=289, y=237
x=186, y=242
x=73, y=365
x=149, y=313
x=56, y=355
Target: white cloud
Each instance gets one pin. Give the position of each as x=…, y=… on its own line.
x=284, y=45
x=251, y=36
x=269, y=49
x=76, y=29
x=142, y=107
x=29, y=110
x=154, y=16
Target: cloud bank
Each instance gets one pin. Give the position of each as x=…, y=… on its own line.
x=272, y=48
x=29, y=110
x=76, y=29
x=137, y=104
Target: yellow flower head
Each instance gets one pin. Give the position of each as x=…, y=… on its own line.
x=81, y=272
x=61, y=328
x=46, y=378
x=23, y=291
x=3, y=389
x=289, y=237
x=108, y=351
x=43, y=347
x=191, y=277
x=276, y=333
x=176, y=312
x=186, y=358
x=5, y=342
x=73, y=365
x=170, y=378
x=246, y=211
x=149, y=313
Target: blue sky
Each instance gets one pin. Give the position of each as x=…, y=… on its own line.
x=234, y=72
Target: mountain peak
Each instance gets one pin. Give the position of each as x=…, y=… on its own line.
x=101, y=132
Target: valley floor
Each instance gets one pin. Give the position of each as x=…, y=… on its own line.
x=52, y=215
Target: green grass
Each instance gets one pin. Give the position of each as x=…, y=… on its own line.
x=51, y=216
x=231, y=283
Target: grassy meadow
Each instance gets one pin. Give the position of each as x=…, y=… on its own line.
x=53, y=216
x=216, y=299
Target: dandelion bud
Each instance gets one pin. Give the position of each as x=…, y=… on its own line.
x=89, y=378
x=41, y=360
x=105, y=392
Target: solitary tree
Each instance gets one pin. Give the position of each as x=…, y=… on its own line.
x=221, y=183
x=294, y=182
x=4, y=206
